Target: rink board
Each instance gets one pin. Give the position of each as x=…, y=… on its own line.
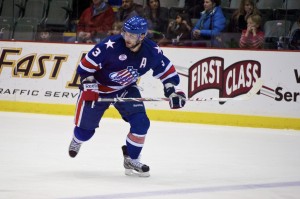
x=41, y=77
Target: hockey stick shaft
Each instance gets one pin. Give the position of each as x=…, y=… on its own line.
x=162, y=99
x=255, y=88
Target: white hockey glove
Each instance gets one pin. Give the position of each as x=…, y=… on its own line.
x=89, y=88
x=177, y=97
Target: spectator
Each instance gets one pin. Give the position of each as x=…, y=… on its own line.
x=180, y=28
x=43, y=35
x=252, y=37
x=116, y=28
x=157, y=17
x=128, y=10
x=194, y=7
x=238, y=21
x=78, y=7
x=211, y=22
x=294, y=40
x=95, y=22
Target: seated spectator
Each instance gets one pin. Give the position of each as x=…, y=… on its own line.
x=252, y=37
x=194, y=7
x=43, y=34
x=128, y=10
x=180, y=28
x=116, y=28
x=294, y=41
x=211, y=23
x=157, y=17
x=95, y=22
x=238, y=21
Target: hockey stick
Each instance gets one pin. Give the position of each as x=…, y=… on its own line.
x=252, y=92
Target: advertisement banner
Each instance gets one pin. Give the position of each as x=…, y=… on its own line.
x=46, y=73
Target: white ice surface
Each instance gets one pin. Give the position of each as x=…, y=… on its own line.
x=186, y=161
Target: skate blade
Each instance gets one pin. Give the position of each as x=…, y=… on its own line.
x=131, y=172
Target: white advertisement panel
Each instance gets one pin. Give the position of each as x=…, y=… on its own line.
x=46, y=73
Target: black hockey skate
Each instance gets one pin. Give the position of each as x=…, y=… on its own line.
x=74, y=148
x=134, y=167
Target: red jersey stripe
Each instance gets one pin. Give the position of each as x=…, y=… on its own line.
x=168, y=72
x=105, y=89
x=88, y=64
x=78, y=110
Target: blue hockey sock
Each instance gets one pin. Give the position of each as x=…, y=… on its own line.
x=133, y=151
x=139, y=125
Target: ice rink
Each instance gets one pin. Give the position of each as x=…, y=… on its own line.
x=187, y=161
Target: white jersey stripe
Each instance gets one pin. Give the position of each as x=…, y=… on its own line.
x=87, y=69
x=90, y=60
x=162, y=73
x=169, y=76
x=80, y=114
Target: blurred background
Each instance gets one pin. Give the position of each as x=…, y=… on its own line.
x=59, y=21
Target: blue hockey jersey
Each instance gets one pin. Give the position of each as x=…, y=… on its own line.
x=115, y=67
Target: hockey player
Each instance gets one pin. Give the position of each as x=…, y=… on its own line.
x=110, y=70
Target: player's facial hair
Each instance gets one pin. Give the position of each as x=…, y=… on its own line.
x=136, y=45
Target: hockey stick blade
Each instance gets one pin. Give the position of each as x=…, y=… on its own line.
x=252, y=92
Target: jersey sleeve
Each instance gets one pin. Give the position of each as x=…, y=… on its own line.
x=91, y=62
x=165, y=70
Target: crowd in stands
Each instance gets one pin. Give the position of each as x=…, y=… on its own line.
x=213, y=23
